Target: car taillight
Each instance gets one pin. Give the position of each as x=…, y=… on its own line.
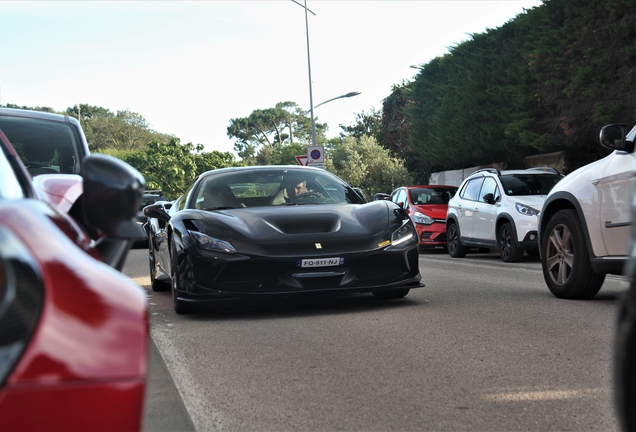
x=21, y=300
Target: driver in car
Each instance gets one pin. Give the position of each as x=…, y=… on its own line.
x=293, y=190
x=291, y=187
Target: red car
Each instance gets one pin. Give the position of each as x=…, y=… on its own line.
x=426, y=205
x=73, y=329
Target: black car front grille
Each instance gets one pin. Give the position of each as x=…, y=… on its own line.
x=321, y=282
x=247, y=277
x=380, y=268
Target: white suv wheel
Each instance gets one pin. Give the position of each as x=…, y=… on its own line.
x=566, y=266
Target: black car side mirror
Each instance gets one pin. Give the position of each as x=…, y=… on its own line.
x=112, y=193
x=158, y=211
x=489, y=198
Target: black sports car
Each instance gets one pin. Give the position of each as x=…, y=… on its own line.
x=150, y=197
x=271, y=230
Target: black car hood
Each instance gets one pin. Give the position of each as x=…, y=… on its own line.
x=307, y=229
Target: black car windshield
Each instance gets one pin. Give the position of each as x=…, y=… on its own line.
x=271, y=187
x=528, y=184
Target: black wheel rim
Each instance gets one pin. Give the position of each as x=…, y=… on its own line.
x=151, y=261
x=504, y=243
x=452, y=235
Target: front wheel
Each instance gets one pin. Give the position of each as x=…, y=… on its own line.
x=391, y=294
x=156, y=285
x=565, y=259
x=180, y=306
x=508, y=248
x=454, y=245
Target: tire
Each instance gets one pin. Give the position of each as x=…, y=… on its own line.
x=565, y=259
x=508, y=248
x=392, y=294
x=156, y=285
x=180, y=307
x=454, y=246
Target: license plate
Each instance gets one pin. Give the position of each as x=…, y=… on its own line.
x=321, y=262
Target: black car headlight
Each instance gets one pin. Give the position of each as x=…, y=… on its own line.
x=402, y=234
x=213, y=244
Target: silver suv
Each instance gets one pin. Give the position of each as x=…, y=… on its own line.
x=584, y=229
x=499, y=209
x=47, y=143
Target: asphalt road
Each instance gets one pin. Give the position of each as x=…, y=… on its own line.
x=484, y=346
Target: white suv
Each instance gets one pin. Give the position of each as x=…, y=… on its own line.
x=499, y=209
x=585, y=225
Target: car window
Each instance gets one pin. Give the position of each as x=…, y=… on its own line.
x=472, y=188
x=256, y=188
x=528, y=184
x=44, y=145
x=489, y=186
x=400, y=196
x=431, y=195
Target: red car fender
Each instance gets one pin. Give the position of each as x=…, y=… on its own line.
x=89, y=350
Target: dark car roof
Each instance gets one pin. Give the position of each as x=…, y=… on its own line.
x=33, y=114
x=259, y=168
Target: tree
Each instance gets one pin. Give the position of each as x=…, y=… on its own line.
x=126, y=130
x=395, y=133
x=582, y=59
x=366, y=124
x=364, y=163
x=171, y=166
x=265, y=132
x=37, y=108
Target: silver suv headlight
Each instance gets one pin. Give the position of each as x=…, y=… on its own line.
x=527, y=210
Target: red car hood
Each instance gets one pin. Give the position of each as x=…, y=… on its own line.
x=436, y=211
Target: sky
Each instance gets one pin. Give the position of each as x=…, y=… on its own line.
x=189, y=67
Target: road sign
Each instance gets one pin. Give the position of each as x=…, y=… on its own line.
x=315, y=155
x=302, y=160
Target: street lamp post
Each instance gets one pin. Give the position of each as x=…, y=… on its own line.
x=338, y=97
x=311, y=100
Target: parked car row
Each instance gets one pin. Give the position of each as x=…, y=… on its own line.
x=578, y=224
